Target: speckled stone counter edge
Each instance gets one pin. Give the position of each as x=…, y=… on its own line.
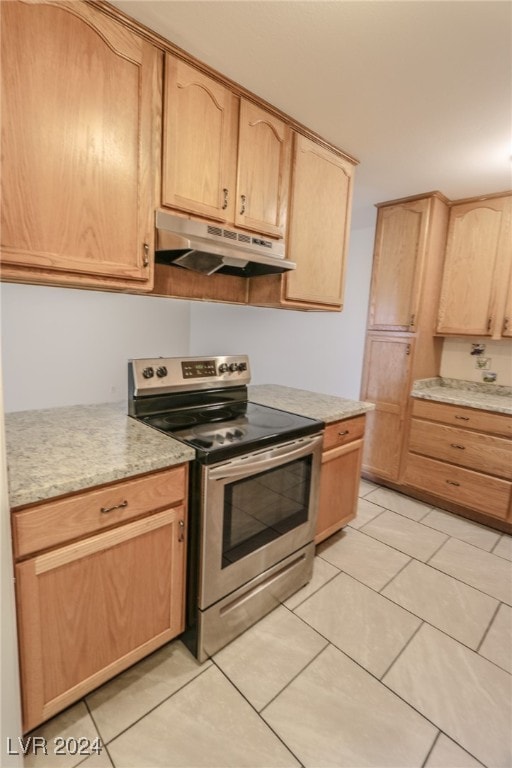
x=57, y=451
x=314, y=405
x=471, y=394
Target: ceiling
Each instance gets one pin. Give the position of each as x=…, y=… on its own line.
x=419, y=91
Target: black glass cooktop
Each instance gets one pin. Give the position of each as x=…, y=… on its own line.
x=227, y=430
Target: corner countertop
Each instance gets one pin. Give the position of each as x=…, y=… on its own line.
x=56, y=451
x=314, y=405
x=471, y=394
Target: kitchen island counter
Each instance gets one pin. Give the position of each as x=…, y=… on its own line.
x=314, y=405
x=56, y=451
x=471, y=394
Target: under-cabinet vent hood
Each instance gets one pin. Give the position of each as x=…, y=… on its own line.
x=214, y=248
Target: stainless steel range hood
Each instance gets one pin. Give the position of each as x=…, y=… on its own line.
x=215, y=248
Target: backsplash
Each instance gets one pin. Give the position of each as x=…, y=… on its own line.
x=476, y=359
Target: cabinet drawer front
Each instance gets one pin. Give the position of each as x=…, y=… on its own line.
x=470, y=418
x=71, y=518
x=475, y=450
x=90, y=609
x=461, y=486
x=342, y=432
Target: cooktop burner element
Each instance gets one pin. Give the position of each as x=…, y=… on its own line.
x=203, y=402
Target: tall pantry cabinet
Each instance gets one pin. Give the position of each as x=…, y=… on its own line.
x=400, y=345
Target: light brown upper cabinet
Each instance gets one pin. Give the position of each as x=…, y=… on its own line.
x=225, y=158
x=397, y=267
x=317, y=234
x=199, y=147
x=80, y=147
x=477, y=270
x=506, y=328
x=319, y=223
x=264, y=148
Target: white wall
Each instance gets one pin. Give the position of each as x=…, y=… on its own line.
x=10, y=710
x=63, y=346
x=319, y=351
x=457, y=362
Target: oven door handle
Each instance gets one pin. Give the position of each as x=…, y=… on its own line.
x=260, y=462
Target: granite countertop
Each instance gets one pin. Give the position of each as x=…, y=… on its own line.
x=61, y=450
x=57, y=451
x=471, y=394
x=327, y=408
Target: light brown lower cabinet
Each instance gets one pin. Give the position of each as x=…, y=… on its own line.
x=90, y=608
x=341, y=469
x=463, y=457
x=386, y=381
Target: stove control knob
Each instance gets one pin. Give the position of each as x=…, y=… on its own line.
x=233, y=367
x=223, y=367
x=161, y=371
x=148, y=373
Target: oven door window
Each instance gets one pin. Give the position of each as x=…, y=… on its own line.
x=263, y=507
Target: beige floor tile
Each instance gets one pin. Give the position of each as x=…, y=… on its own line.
x=482, y=570
x=73, y=724
x=366, y=511
x=504, y=547
x=130, y=695
x=101, y=760
x=398, y=502
x=497, y=645
x=447, y=754
x=366, y=486
x=448, y=604
x=362, y=557
x=466, y=696
x=266, y=657
x=207, y=724
x=460, y=528
x=405, y=535
x=322, y=573
x=336, y=714
x=366, y=626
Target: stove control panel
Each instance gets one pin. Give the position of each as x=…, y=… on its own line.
x=153, y=376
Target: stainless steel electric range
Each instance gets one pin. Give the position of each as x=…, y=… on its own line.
x=253, y=490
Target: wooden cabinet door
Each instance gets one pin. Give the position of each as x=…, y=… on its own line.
x=339, y=488
x=476, y=267
x=386, y=379
x=506, y=326
x=400, y=243
x=318, y=224
x=80, y=147
x=264, y=144
x=88, y=610
x=199, y=147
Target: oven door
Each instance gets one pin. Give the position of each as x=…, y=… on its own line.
x=256, y=510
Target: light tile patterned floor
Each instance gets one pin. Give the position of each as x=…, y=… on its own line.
x=398, y=653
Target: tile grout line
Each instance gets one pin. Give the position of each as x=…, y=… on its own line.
x=483, y=527
x=103, y=742
x=258, y=713
x=152, y=708
x=427, y=562
x=317, y=589
x=436, y=739
x=389, y=581
x=488, y=627
x=407, y=610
